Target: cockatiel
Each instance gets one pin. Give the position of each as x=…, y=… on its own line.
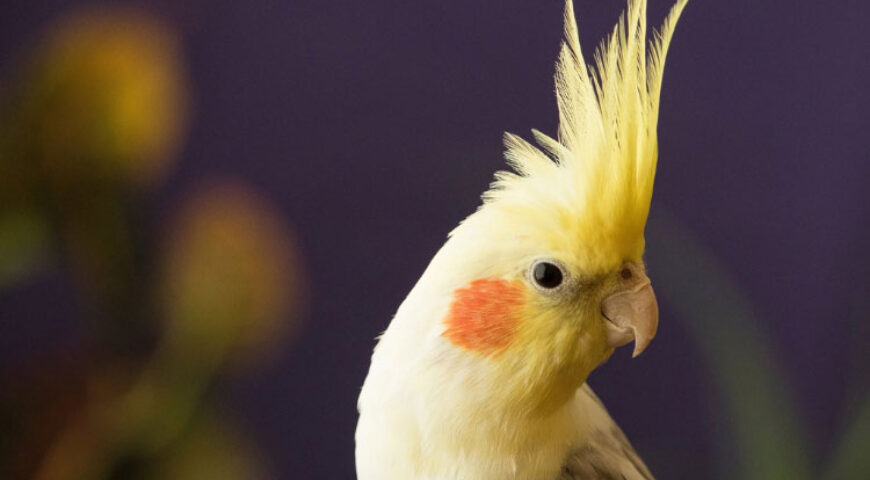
x=481, y=374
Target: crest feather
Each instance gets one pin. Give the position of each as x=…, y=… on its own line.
x=607, y=150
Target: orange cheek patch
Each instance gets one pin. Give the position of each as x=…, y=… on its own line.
x=483, y=316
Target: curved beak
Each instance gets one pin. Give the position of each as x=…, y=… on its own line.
x=631, y=314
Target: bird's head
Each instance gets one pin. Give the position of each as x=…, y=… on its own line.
x=547, y=277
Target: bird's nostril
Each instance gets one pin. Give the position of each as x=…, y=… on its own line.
x=625, y=273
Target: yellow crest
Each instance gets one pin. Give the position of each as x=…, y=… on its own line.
x=598, y=176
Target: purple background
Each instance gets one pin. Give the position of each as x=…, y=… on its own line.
x=375, y=125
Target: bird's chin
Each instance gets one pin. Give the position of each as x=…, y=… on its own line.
x=617, y=335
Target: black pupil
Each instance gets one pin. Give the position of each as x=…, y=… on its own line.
x=547, y=275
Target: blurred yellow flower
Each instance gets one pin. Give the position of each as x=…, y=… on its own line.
x=105, y=98
x=231, y=280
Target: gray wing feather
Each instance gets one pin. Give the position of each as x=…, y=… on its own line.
x=607, y=454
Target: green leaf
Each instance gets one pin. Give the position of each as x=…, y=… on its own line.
x=758, y=408
x=850, y=457
x=24, y=245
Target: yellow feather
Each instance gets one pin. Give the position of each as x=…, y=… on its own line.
x=599, y=174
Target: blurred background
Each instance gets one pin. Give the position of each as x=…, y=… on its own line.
x=209, y=210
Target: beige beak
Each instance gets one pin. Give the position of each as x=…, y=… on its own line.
x=632, y=314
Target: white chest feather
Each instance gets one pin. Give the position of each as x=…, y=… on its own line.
x=401, y=439
x=426, y=413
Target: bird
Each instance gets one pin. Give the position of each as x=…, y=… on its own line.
x=481, y=374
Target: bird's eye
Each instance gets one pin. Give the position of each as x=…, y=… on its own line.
x=625, y=273
x=547, y=275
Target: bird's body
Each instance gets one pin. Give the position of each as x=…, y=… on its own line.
x=481, y=373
